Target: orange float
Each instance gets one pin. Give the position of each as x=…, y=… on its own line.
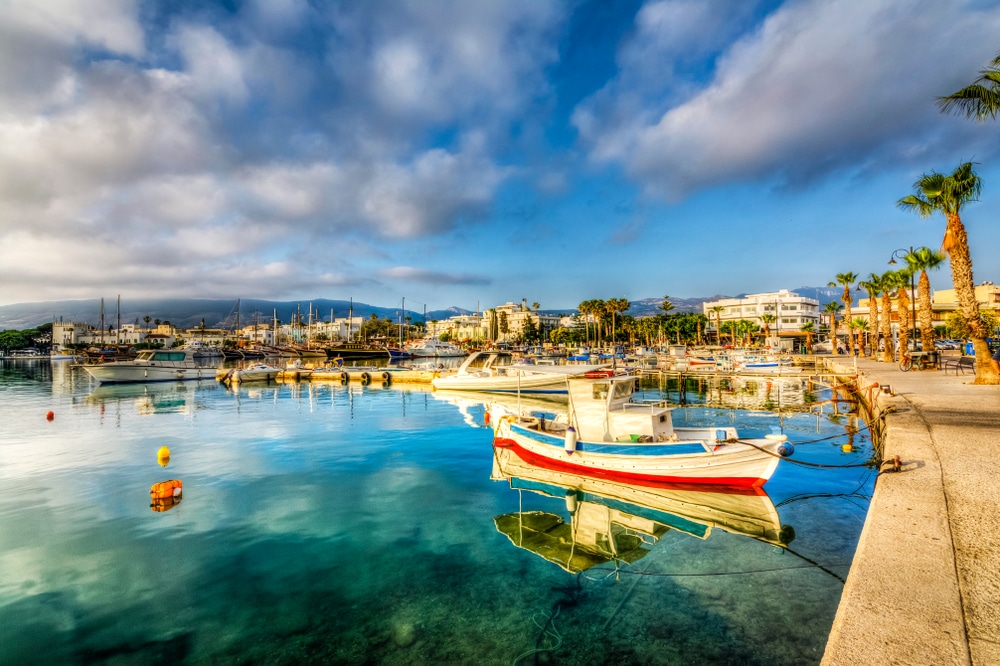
x=166, y=489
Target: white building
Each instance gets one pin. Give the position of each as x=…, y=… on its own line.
x=791, y=312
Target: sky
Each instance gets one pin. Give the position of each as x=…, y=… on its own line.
x=470, y=152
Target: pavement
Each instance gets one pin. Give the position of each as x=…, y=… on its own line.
x=924, y=587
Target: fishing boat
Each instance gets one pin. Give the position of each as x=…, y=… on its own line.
x=607, y=516
x=150, y=365
x=431, y=347
x=354, y=351
x=499, y=371
x=605, y=433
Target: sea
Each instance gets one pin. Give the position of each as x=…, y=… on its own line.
x=376, y=524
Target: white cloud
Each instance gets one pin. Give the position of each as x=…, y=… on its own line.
x=822, y=85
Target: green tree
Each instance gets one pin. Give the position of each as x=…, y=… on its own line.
x=717, y=311
x=768, y=319
x=809, y=329
x=873, y=285
x=847, y=280
x=616, y=306
x=832, y=308
x=666, y=306
x=504, y=325
x=947, y=194
x=924, y=259
x=859, y=326
x=980, y=99
x=891, y=282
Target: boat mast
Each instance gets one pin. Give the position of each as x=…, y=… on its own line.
x=102, y=322
x=118, y=319
x=401, y=315
x=350, y=321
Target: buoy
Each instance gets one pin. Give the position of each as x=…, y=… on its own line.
x=165, y=489
x=571, y=501
x=785, y=449
x=847, y=448
x=570, y=440
x=163, y=456
x=49, y=415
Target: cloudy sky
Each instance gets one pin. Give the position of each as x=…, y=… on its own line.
x=464, y=152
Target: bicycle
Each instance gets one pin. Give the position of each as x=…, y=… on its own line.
x=905, y=362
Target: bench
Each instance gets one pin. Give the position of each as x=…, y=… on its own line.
x=960, y=363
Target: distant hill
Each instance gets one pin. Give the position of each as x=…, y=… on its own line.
x=189, y=312
x=218, y=313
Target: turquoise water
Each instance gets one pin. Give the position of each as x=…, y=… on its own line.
x=350, y=524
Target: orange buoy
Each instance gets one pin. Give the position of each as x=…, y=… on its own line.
x=49, y=415
x=166, y=489
x=166, y=504
x=163, y=456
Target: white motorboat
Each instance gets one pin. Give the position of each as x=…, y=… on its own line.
x=151, y=365
x=605, y=433
x=497, y=371
x=258, y=372
x=434, y=348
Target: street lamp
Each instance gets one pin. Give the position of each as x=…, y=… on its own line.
x=913, y=294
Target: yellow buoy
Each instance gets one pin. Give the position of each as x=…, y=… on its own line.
x=163, y=456
x=847, y=448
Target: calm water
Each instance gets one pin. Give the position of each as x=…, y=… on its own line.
x=350, y=524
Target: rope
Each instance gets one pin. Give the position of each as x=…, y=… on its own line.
x=802, y=462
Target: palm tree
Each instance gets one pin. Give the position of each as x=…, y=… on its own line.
x=616, y=305
x=717, y=310
x=768, y=319
x=981, y=99
x=947, y=194
x=873, y=285
x=535, y=305
x=832, y=308
x=584, y=309
x=809, y=328
x=924, y=259
x=891, y=281
x=903, y=306
x=848, y=280
x=860, y=327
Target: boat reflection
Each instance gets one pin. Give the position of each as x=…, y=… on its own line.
x=616, y=522
x=153, y=398
x=512, y=402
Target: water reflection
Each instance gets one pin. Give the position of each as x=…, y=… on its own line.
x=616, y=522
x=152, y=398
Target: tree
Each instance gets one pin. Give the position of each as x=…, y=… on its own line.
x=903, y=306
x=535, y=305
x=980, y=99
x=809, y=329
x=666, y=306
x=768, y=319
x=847, y=280
x=860, y=327
x=717, y=311
x=615, y=306
x=935, y=192
x=890, y=282
x=504, y=325
x=873, y=285
x=832, y=308
x=923, y=259
x=147, y=320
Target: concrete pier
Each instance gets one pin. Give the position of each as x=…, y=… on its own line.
x=924, y=587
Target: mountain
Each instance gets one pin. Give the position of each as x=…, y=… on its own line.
x=190, y=312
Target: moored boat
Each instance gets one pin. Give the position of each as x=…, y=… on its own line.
x=431, y=347
x=150, y=365
x=498, y=371
x=605, y=433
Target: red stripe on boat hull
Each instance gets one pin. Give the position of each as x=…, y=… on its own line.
x=747, y=485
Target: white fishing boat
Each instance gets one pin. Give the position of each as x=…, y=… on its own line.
x=499, y=371
x=431, y=347
x=151, y=365
x=605, y=433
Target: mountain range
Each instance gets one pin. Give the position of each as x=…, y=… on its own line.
x=216, y=313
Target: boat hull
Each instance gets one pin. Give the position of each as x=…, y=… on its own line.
x=553, y=384
x=737, y=465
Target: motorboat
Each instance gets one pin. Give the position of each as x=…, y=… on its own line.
x=352, y=351
x=202, y=350
x=150, y=365
x=258, y=372
x=434, y=348
x=607, y=516
x=606, y=433
x=500, y=371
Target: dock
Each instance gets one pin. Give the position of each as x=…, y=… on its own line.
x=924, y=587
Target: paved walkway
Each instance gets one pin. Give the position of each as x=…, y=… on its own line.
x=925, y=584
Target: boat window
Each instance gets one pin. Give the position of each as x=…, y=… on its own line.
x=168, y=356
x=622, y=390
x=600, y=391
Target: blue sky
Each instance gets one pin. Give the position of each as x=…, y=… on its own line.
x=464, y=152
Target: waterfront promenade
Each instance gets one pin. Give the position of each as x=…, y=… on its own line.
x=925, y=584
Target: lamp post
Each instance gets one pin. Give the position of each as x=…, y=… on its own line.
x=913, y=295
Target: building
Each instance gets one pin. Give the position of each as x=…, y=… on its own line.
x=791, y=312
